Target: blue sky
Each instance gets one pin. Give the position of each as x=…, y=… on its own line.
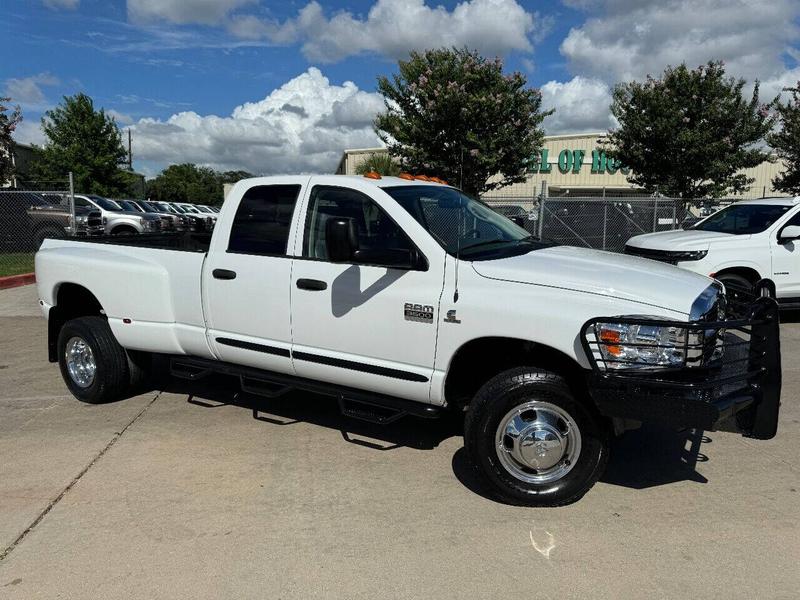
x=263, y=85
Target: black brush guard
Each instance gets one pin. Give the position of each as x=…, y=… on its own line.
x=739, y=391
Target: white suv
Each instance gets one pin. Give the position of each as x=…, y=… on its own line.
x=738, y=245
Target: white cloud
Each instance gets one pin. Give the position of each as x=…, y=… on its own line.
x=303, y=126
x=393, y=27
x=581, y=105
x=206, y=12
x=627, y=39
x=120, y=117
x=56, y=4
x=390, y=28
x=30, y=132
x=27, y=91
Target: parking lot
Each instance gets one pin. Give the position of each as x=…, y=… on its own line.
x=203, y=493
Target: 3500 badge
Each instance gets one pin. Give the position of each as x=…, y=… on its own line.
x=422, y=313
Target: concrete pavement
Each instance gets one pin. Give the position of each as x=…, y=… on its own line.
x=198, y=492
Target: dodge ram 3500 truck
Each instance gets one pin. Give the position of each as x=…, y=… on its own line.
x=402, y=296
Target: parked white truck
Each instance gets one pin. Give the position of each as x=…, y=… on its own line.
x=740, y=245
x=401, y=296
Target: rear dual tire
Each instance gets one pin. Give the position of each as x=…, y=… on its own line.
x=531, y=442
x=95, y=368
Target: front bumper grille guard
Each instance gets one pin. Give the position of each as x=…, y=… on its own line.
x=732, y=368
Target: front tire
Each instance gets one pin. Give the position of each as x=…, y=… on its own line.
x=531, y=442
x=93, y=364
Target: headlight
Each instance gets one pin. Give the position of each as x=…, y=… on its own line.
x=631, y=346
x=81, y=219
x=687, y=255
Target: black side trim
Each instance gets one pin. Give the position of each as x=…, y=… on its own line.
x=354, y=366
x=325, y=360
x=257, y=347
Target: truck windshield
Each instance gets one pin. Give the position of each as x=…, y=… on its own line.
x=462, y=225
x=743, y=219
x=106, y=204
x=128, y=205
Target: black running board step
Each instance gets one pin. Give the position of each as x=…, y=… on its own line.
x=190, y=367
x=372, y=413
x=263, y=387
x=191, y=372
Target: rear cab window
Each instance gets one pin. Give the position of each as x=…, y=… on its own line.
x=263, y=220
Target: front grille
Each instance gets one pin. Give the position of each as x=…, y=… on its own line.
x=167, y=223
x=94, y=219
x=660, y=255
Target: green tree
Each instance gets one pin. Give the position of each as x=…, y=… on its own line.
x=786, y=142
x=379, y=163
x=86, y=142
x=455, y=115
x=8, y=123
x=689, y=133
x=189, y=183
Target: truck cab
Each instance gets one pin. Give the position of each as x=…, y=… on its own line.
x=403, y=296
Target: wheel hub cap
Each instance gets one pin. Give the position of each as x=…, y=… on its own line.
x=80, y=362
x=538, y=442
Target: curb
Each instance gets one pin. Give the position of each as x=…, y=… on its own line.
x=17, y=280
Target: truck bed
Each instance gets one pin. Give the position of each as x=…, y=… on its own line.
x=182, y=242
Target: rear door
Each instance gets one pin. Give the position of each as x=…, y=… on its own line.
x=246, y=278
x=369, y=326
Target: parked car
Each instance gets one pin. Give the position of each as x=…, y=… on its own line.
x=740, y=245
x=197, y=222
x=117, y=220
x=27, y=219
x=179, y=222
x=363, y=289
x=169, y=223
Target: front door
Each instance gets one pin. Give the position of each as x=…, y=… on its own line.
x=369, y=326
x=786, y=263
x=246, y=281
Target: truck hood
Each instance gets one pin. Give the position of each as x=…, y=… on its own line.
x=603, y=273
x=690, y=239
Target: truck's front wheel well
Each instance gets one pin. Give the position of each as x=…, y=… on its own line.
x=479, y=360
x=750, y=275
x=72, y=301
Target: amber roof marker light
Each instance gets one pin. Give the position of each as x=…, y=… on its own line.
x=372, y=175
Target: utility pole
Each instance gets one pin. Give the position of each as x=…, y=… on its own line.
x=130, y=152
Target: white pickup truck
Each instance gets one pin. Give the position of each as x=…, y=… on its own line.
x=402, y=296
x=744, y=243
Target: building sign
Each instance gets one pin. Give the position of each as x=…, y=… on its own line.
x=572, y=161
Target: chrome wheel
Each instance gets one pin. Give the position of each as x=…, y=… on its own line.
x=538, y=442
x=80, y=362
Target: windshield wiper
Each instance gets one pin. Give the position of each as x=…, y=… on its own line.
x=486, y=243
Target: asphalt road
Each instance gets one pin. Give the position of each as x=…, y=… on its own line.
x=200, y=493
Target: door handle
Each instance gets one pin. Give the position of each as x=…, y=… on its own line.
x=223, y=274
x=315, y=285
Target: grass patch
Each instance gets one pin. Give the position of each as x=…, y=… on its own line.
x=16, y=263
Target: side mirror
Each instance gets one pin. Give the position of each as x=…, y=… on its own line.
x=792, y=232
x=340, y=239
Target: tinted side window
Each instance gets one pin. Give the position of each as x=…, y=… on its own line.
x=374, y=228
x=262, y=221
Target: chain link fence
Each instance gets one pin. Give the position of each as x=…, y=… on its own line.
x=30, y=212
x=602, y=222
